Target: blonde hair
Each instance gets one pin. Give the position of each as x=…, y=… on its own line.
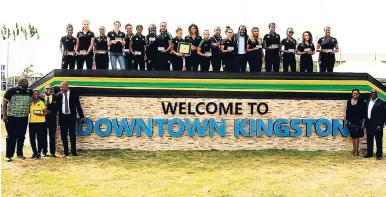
x=178, y=29
x=252, y=38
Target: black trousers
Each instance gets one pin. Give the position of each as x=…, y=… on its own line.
x=151, y=57
x=67, y=128
x=139, y=60
x=306, y=65
x=129, y=62
x=68, y=62
x=16, y=130
x=241, y=63
x=192, y=62
x=272, y=62
x=216, y=62
x=230, y=62
x=177, y=63
x=162, y=61
x=289, y=61
x=255, y=63
x=371, y=130
x=84, y=58
x=205, y=64
x=36, y=132
x=102, y=61
x=51, y=127
x=326, y=63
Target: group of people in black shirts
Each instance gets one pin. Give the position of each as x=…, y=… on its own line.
x=157, y=50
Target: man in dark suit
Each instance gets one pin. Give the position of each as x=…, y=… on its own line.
x=375, y=113
x=68, y=107
x=51, y=104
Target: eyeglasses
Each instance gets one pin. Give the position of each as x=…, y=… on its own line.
x=373, y=92
x=291, y=32
x=48, y=88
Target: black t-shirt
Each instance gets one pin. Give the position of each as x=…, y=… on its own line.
x=215, y=40
x=205, y=46
x=270, y=40
x=101, y=43
x=327, y=43
x=84, y=39
x=255, y=44
x=68, y=43
x=195, y=41
x=230, y=43
x=162, y=40
x=138, y=43
x=289, y=45
x=302, y=47
x=175, y=43
x=116, y=48
x=150, y=43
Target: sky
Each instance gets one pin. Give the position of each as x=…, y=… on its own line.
x=357, y=25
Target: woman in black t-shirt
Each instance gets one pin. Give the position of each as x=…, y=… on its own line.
x=101, y=50
x=204, y=50
x=164, y=44
x=306, y=49
x=194, y=38
x=116, y=42
x=255, y=54
x=177, y=61
x=67, y=48
x=84, y=46
x=228, y=49
x=327, y=46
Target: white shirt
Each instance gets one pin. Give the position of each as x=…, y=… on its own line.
x=64, y=103
x=241, y=46
x=371, y=105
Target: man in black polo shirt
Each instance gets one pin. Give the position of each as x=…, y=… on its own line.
x=137, y=47
x=15, y=110
x=84, y=46
x=272, y=49
x=67, y=48
x=151, y=47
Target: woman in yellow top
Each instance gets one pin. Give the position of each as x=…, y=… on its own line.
x=37, y=121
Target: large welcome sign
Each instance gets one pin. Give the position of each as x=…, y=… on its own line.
x=205, y=111
x=246, y=127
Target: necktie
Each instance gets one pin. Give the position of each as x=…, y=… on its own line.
x=66, y=111
x=48, y=100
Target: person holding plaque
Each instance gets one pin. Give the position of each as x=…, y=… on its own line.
x=272, y=49
x=151, y=48
x=137, y=47
x=306, y=49
x=204, y=50
x=289, y=44
x=241, y=39
x=255, y=54
x=101, y=50
x=177, y=61
x=329, y=46
x=129, y=57
x=228, y=49
x=84, y=46
x=37, y=125
x=215, y=43
x=115, y=40
x=194, y=38
x=164, y=45
x=67, y=48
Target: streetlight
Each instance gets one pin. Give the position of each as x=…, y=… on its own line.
x=7, y=35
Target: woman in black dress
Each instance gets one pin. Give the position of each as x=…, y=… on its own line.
x=355, y=115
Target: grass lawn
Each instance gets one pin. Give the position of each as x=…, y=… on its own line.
x=195, y=173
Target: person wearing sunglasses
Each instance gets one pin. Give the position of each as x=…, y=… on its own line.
x=101, y=50
x=355, y=117
x=375, y=120
x=151, y=48
x=51, y=118
x=289, y=51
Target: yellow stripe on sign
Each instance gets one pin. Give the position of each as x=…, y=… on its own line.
x=223, y=81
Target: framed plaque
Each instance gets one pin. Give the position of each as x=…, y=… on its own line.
x=184, y=48
x=99, y=52
x=83, y=52
x=118, y=39
x=71, y=53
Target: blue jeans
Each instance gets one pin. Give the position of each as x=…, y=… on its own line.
x=113, y=60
